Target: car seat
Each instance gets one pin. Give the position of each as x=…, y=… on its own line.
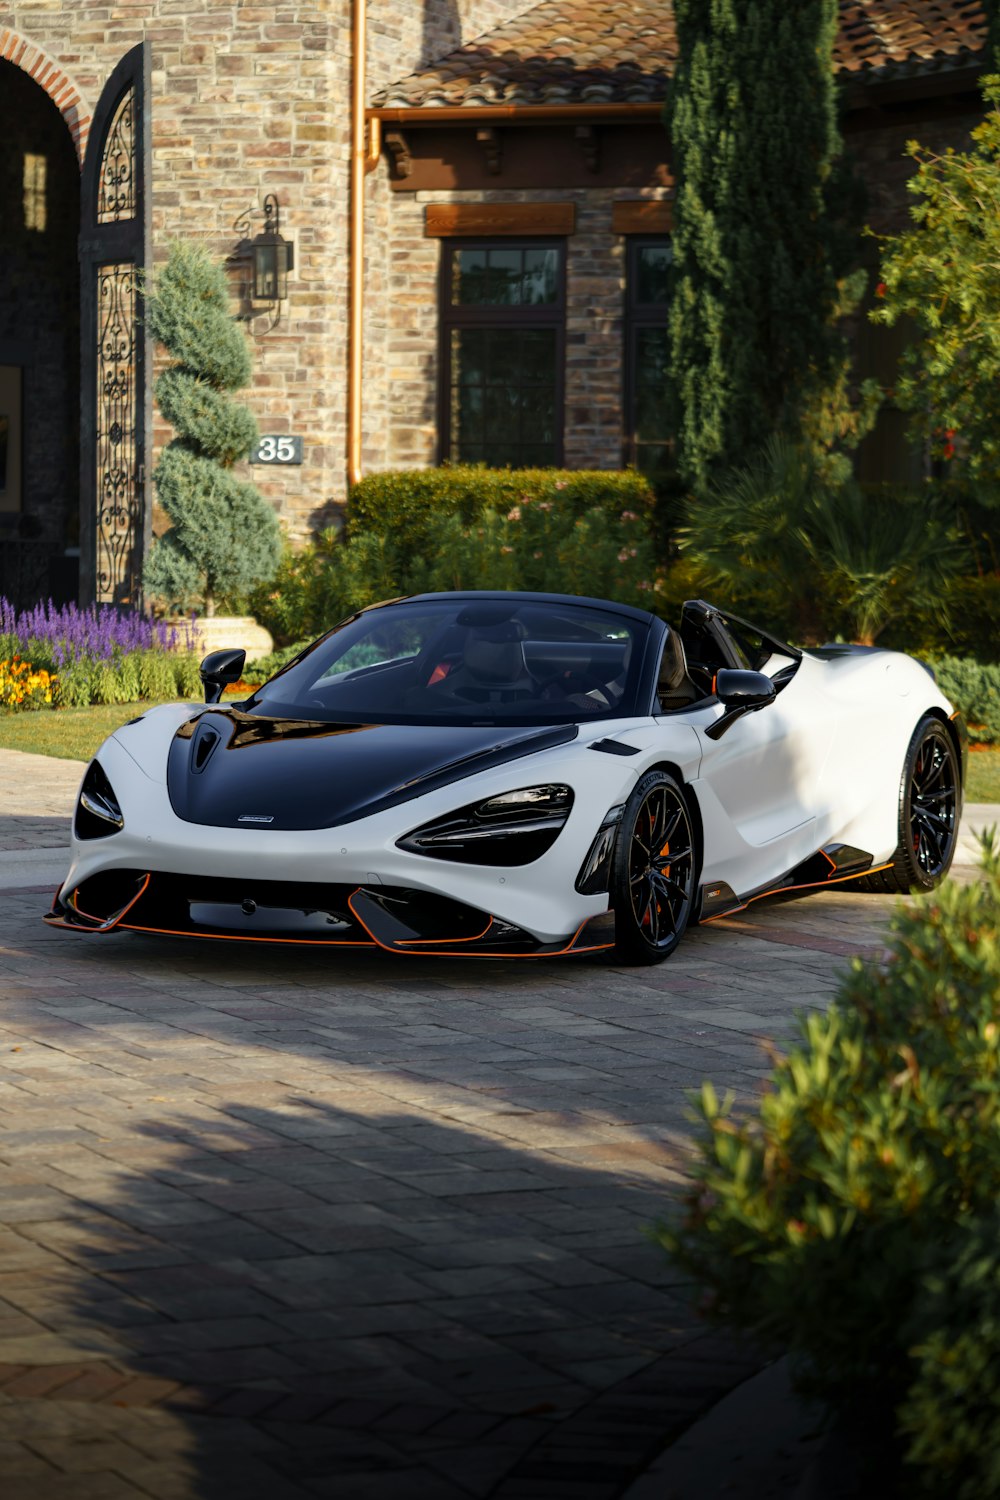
x=674, y=687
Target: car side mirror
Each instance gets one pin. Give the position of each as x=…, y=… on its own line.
x=220, y=670
x=736, y=689
x=739, y=693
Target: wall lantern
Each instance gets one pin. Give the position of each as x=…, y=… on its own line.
x=272, y=257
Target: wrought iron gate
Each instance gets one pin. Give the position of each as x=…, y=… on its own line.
x=115, y=518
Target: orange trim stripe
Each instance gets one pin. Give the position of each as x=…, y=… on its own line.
x=778, y=890
x=110, y=926
x=439, y=953
x=416, y=942
x=232, y=937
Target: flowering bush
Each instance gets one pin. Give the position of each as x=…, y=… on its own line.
x=22, y=687
x=97, y=655
x=100, y=631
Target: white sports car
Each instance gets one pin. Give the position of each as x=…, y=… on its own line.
x=516, y=775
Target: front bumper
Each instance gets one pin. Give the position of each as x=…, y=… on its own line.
x=338, y=886
x=400, y=920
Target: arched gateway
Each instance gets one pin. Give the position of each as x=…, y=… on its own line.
x=73, y=388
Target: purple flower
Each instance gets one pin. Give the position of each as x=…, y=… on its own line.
x=100, y=631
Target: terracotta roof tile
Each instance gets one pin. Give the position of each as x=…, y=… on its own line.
x=623, y=51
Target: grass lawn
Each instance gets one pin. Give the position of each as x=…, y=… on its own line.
x=72, y=733
x=75, y=733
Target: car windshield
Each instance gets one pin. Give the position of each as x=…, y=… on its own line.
x=464, y=661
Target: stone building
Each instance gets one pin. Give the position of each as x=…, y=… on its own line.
x=512, y=187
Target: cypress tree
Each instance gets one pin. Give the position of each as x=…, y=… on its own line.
x=753, y=125
x=224, y=537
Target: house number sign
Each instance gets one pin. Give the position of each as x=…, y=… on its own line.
x=272, y=449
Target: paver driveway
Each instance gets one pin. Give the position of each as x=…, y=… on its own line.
x=277, y=1226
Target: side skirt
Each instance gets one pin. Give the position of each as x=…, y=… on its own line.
x=828, y=866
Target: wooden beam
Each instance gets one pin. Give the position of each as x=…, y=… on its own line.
x=642, y=216
x=487, y=219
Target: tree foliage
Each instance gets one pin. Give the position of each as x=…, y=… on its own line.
x=224, y=537
x=944, y=274
x=760, y=251
x=822, y=554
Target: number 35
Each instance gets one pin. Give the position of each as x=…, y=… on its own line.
x=276, y=450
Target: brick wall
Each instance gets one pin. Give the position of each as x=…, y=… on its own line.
x=246, y=98
x=879, y=151
x=400, y=425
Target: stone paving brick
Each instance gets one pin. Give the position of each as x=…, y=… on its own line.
x=281, y=1228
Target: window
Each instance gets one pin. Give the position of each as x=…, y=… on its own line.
x=35, y=172
x=646, y=434
x=465, y=661
x=502, y=326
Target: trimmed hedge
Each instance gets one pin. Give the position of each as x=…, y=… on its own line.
x=408, y=531
x=404, y=503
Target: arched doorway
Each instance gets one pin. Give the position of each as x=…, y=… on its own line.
x=39, y=344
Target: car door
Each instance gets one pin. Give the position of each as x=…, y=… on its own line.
x=757, y=786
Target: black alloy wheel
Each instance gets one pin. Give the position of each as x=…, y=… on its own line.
x=930, y=802
x=652, y=878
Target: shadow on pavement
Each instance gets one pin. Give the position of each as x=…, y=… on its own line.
x=353, y=1301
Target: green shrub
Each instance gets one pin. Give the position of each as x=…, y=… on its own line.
x=824, y=557
x=266, y=666
x=403, y=504
x=965, y=622
x=224, y=537
x=975, y=689
x=537, y=546
x=815, y=1223
x=127, y=677
x=157, y=675
x=187, y=678
x=951, y=1413
x=403, y=528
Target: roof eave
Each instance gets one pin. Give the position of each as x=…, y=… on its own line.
x=861, y=90
x=513, y=114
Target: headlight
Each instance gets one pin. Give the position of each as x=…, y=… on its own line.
x=98, y=815
x=512, y=828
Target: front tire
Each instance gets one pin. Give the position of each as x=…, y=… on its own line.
x=652, y=876
x=929, y=804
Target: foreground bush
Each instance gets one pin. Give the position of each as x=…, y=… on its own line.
x=821, y=1223
x=951, y=1413
x=564, y=531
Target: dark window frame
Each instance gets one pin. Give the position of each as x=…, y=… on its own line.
x=546, y=315
x=638, y=316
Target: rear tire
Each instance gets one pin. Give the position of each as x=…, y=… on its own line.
x=653, y=871
x=929, y=803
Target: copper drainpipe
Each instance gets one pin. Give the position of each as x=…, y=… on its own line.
x=364, y=157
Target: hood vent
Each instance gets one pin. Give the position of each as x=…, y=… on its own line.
x=205, y=740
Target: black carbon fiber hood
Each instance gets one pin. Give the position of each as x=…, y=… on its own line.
x=227, y=769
